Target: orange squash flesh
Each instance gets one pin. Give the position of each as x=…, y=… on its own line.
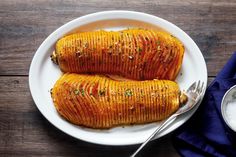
x=100, y=102
x=134, y=53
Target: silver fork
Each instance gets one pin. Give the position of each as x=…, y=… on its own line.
x=194, y=93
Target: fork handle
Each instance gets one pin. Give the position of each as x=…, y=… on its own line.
x=157, y=130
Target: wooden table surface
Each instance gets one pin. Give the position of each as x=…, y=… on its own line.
x=25, y=24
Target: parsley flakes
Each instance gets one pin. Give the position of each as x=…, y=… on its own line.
x=128, y=92
x=76, y=91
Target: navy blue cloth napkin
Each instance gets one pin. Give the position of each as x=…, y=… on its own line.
x=206, y=133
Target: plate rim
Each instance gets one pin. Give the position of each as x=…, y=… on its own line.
x=102, y=16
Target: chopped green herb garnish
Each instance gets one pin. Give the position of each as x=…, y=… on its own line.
x=86, y=45
x=139, y=49
x=102, y=92
x=158, y=42
x=128, y=92
x=76, y=91
x=82, y=92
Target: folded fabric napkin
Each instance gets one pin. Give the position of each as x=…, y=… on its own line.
x=206, y=133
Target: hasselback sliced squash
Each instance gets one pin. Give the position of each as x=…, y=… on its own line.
x=101, y=102
x=134, y=53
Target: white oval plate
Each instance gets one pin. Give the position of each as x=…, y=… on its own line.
x=43, y=74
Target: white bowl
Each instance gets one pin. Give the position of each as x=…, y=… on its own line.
x=229, y=97
x=43, y=74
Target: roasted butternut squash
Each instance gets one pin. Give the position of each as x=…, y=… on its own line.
x=101, y=102
x=134, y=53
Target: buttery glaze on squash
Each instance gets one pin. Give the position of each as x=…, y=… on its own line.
x=134, y=53
x=100, y=102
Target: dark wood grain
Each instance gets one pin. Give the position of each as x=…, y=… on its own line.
x=25, y=24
